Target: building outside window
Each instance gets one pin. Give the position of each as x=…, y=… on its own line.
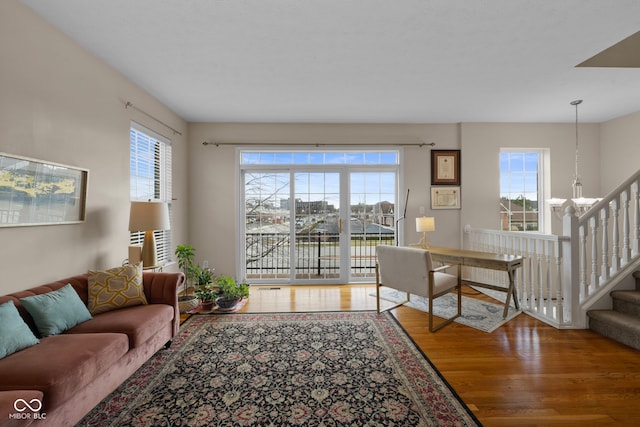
x=521, y=189
x=316, y=215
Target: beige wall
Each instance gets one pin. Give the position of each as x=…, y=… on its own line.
x=213, y=176
x=213, y=173
x=61, y=104
x=619, y=150
x=481, y=143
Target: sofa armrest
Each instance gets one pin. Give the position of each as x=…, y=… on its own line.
x=162, y=288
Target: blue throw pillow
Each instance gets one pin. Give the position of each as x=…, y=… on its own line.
x=56, y=311
x=14, y=333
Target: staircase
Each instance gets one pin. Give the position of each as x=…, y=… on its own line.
x=621, y=324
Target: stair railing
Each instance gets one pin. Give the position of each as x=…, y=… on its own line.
x=563, y=276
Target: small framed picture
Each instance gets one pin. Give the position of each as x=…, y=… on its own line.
x=445, y=167
x=445, y=197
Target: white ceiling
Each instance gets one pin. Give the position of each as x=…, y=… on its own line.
x=363, y=61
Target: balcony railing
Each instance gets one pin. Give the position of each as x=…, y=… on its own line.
x=315, y=255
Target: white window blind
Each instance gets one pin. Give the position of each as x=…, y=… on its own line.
x=150, y=169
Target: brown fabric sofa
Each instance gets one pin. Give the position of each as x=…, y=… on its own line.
x=72, y=372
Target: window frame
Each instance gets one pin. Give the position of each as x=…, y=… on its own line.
x=542, y=180
x=161, y=183
x=374, y=158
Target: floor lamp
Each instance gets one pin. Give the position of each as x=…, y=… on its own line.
x=148, y=217
x=423, y=225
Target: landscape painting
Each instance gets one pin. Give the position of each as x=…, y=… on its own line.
x=35, y=192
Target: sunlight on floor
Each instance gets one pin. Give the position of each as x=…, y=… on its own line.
x=298, y=298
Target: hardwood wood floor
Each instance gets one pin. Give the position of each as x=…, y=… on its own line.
x=525, y=373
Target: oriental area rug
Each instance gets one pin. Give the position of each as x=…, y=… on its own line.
x=291, y=369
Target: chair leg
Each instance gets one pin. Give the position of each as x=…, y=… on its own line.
x=396, y=305
x=447, y=321
x=458, y=314
x=442, y=324
x=459, y=290
x=378, y=285
x=378, y=288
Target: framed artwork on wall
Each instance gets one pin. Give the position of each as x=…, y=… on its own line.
x=36, y=192
x=445, y=197
x=445, y=167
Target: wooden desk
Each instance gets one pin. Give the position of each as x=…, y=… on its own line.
x=492, y=261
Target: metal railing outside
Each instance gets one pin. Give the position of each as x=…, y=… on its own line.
x=316, y=255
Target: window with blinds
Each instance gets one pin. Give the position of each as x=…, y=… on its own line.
x=150, y=170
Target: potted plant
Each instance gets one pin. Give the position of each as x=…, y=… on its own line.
x=186, y=256
x=205, y=290
x=202, y=276
x=230, y=292
x=207, y=294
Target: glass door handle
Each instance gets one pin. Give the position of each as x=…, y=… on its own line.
x=340, y=225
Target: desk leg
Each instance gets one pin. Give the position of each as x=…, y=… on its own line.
x=511, y=291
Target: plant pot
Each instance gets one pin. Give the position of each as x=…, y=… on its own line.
x=207, y=305
x=187, y=303
x=227, y=304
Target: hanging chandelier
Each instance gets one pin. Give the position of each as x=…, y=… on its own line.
x=580, y=203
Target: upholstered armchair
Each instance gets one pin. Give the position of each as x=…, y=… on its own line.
x=411, y=270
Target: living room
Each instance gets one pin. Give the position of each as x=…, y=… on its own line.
x=63, y=104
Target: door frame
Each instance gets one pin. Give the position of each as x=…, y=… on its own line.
x=344, y=171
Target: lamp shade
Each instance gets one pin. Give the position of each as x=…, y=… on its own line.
x=425, y=223
x=145, y=216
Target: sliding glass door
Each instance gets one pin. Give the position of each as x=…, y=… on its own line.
x=317, y=221
x=318, y=227
x=372, y=217
x=267, y=227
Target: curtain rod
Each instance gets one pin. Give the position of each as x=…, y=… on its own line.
x=130, y=105
x=313, y=144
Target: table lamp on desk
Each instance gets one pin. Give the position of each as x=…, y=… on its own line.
x=423, y=225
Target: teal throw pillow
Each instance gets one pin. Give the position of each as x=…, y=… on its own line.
x=56, y=311
x=14, y=333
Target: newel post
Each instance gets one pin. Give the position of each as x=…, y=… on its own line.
x=571, y=269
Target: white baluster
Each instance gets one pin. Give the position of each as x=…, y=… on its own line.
x=615, y=237
x=528, y=277
x=626, y=249
x=604, y=270
x=534, y=293
x=583, y=232
x=540, y=287
x=558, y=283
x=594, y=254
x=546, y=247
x=636, y=218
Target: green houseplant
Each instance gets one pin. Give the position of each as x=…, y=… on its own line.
x=186, y=256
x=205, y=289
x=230, y=292
x=207, y=294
